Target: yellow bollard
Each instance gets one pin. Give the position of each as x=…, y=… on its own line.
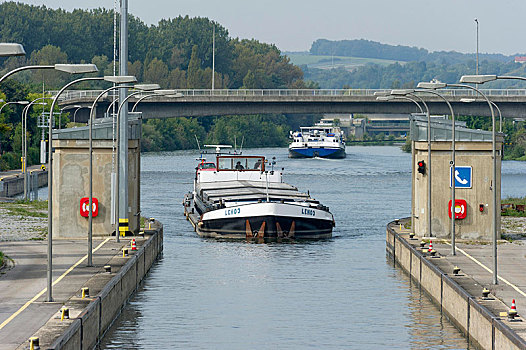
x=34, y=343
x=400, y=227
x=64, y=313
x=150, y=222
x=85, y=292
x=124, y=252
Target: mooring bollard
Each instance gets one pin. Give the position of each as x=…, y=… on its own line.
x=422, y=244
x=85, y=292
x=150, y=223
x=34, y=343
x=107, y=268
x=433, y=253
x=64, y=313
x=456, y=270
x=411, y=235
x=485, y=292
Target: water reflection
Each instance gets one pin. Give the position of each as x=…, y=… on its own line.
x=331, y=294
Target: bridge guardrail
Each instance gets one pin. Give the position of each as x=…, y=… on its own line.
x=76, y=94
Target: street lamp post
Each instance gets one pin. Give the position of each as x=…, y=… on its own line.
x=169, y=93
x=478, y=80
x=385, y=97
x=22, y=103
x=77, y=107
x=24, y=140
x=18, y=50
x=62, y=67
x=477, y=68
x=470, y=100
x=118, y=215
x=453, y=237
x=392, y=98
x=410, y=92
x=50, y=188
x=117, y=80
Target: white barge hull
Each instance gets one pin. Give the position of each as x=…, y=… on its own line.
x=266, y=220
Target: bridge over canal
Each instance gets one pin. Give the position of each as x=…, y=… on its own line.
x=200, y=103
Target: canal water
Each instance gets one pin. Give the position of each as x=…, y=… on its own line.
x=331, y=294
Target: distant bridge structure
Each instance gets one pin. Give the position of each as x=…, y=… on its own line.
x=201, y=103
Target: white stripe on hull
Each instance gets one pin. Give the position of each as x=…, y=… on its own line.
x=267, y=209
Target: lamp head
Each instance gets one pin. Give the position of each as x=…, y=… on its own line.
x=120, y=79
x=385, y=98
x=432, y=85
x=147, y=87
x=169, y=93
x=467, y=100
x=382, y=93
x=402, y=92
x=11, y=49
x=23, y=103
x=477, y=79
x=76, y=68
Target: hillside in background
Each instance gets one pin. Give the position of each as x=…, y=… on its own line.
x=332, y=62
x=372, y=49
x=364, y=64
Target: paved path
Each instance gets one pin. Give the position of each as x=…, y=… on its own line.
x=27, y=281
x=17, y=171
x=476, y=262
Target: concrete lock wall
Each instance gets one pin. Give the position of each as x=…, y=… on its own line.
x=87, y=330
x=475, y=321
x=11, y=186
x=478, y=155
x=71, y=183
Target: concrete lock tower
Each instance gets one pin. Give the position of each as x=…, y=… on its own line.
x=71, y=178
x=473, y=176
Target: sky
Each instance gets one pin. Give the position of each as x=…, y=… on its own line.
x=292, y=25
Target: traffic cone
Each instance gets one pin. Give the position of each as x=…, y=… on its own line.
x=512, y=313
x=430, y=246
x=133, y=244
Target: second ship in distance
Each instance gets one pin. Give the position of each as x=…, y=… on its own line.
x=323, y=140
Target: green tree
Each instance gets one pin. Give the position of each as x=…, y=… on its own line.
x=194, y=73
x=156, y=72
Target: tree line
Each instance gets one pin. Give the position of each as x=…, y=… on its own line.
x=176, y=53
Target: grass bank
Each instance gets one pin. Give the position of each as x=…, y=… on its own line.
x=513, y=206
x=37, y=209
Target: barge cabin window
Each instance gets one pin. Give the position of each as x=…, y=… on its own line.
x=233, y=163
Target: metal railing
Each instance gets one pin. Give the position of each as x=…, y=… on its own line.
x=91, y=94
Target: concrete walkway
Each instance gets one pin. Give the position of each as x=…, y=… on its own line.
x=16, y=172
x=23, y=309
x=476, y=263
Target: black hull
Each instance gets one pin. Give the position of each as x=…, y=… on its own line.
x=266, y=227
